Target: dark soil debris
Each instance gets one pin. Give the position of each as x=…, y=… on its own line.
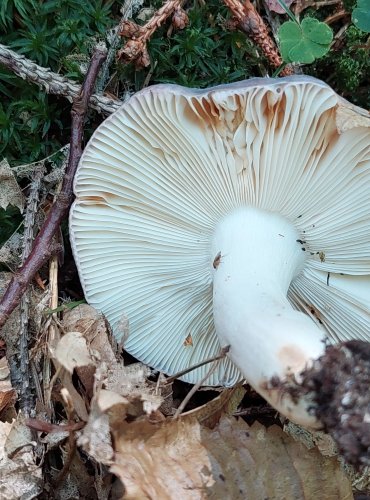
x=340, y=382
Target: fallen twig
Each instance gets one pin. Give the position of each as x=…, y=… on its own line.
x=43, y=426
x=43, y=248
x=24, y=385
x=135, y=48
x=51, y=82
x=114, y=39
x=201, y=382
x=177, y=375
x=252, y=24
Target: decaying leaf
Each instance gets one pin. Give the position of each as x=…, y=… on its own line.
x=184, y=459
x=86, y=320
x=120, y=391
x=72, y=351
x=10, y=193
x=7, y=393
x=225, y=404
x=95, y=439
x=20, y=477
x=10, y=252
x=311, y=439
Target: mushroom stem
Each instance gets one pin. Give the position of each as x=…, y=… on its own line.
x=270, y=342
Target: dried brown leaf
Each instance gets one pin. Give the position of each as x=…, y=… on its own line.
x=226, y=403
x=20, y=477
x=72, y=351
x=120, y=391
x=95, y=438
x=184, y=459
x=10, y=193
x=91, y=324
x=7, y=393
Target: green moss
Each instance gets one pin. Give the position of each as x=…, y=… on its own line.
x=347, y=68
x=205, y=53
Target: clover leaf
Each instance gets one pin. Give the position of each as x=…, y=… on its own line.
x=304, y=42
x=361, y=15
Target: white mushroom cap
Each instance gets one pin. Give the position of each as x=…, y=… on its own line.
x=159, y=175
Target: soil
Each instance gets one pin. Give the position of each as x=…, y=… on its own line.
x=339, y=383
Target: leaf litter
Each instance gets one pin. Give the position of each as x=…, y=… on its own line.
x=123, y=441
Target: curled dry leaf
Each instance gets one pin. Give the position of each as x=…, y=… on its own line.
x=20, y=477
x=184, y=459
x=72, y=351
x=10, y=252
x=7, y=393
x=120, y=391
x=91, y=324
x=95, y=438
x=10, y=193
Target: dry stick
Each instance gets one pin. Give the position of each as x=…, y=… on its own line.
x=114, y=41
x=177, y=375
x=200, y=382
x=252, y=24
x=158, y=18
x=52, y=83
x=52, y=333
x=24, y=385
x=43, y=248
x=135, y=47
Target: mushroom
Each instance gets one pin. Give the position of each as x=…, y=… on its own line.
x=237, y=215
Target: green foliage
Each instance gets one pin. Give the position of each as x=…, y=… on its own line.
x=51, y=33
x=10, y=219
x=205, y=53
x=361, y=15
x=304, y=42
x=349, y=66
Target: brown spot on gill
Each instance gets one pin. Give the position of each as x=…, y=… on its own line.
x=94, y=199
x=216, y=261
x=273, y=106
x=205, y=109
x=104, y=197
x=222, y=116
x=313, y=312
x=188, y=342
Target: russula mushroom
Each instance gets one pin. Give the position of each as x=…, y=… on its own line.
x=237, y=215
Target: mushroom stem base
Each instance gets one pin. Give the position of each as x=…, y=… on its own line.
x=259, y=254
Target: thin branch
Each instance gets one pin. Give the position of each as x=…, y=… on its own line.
x=201, y=382
x=177, y=375
x=114, y=40
x=25, y=393
x=52, y=83
x=43, y=248
x=135, y=48
x=253, y=25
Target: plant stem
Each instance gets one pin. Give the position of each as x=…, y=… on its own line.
x=52, y=83
x=252, y=24
x=43, y=247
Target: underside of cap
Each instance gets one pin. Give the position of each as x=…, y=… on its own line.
x=159, y=174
